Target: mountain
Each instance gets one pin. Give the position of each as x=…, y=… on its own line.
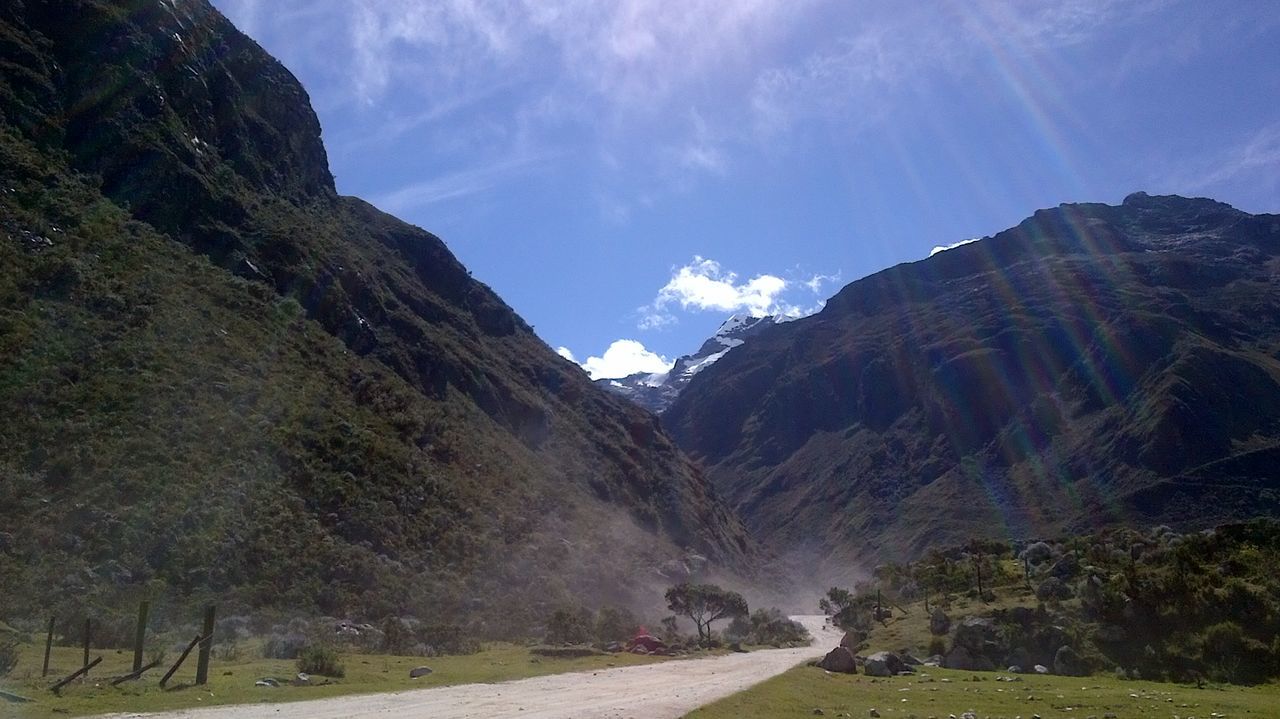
x=223, y=380
x=656, y=391
x=1095, y=365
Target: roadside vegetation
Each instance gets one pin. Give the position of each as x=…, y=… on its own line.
x=1124, y=623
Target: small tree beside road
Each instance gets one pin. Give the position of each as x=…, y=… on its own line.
x=704, y=604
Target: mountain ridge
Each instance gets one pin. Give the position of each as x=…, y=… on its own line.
x=655, y=391
x=313, y=387
x=1049, y=375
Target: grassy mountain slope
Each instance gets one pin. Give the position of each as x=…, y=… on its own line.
x=224, y=379
x=1093, y=365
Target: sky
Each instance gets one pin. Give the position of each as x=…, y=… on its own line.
x=627, y=174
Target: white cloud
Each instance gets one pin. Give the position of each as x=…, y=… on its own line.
x=566, y=353
x=952, y=246
x=624, y=358
x=704, y=286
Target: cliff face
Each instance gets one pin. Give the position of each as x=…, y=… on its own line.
x=210, y=348
x=1093, y=365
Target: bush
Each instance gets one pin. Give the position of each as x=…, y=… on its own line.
x=569, y=625
x=8, y=656
x=322, y=660
x=283, y=646
x=615, y=625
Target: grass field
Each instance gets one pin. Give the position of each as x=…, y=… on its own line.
x=232, y=682
x=942, y=692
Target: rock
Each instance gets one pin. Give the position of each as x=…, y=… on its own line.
x=419, y=672
x=267, y=682
x=908, y=659
x=839, y=660
x=884, y=664
x=939, y=623
x=873, y=713
x=302, y=680
x=817, y=712
x=960, y=657
x=1014, y=669
x=1053, y=588
x=1041, y=669
x=1068, y=663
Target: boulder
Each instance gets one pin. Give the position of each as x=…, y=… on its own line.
x=1041, y=669
x=839, y=660
x=1053, y=588
x=961, y=658
x=884, y=664
x=939, y=623
x=1068, y=663
x=419, y=672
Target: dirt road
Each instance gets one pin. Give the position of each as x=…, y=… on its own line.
x=655, y=691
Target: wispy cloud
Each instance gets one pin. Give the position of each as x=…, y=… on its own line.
x=457, y=184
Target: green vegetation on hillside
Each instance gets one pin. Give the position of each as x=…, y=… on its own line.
x=225, y=383
x=1142, y=604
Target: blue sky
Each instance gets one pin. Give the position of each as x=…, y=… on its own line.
x=638, y=170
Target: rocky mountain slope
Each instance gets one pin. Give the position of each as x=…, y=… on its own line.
x=1093, y=365
x=222, y=379
x=656, y=391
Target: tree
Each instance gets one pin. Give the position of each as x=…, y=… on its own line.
x=704, y=604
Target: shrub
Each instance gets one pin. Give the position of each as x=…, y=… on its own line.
x=8, y=656
x=569, y=625
x=396, y=637
x=322, y=660
x=283, y=646
x=615, y=625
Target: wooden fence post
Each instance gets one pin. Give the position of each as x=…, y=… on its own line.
x=48, y=646
x=206, y=646
x=79, y=672
x=140, y=635
x=165, y=679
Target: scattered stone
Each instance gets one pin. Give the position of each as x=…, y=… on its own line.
x=1014, y=669
x=419, y=672
x=302, y=680
x=1041, y=669
x=818, y=712
x=873, y=713
x=839, y=660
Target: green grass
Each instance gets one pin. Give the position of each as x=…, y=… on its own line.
x=232, y=682
x=943, y=692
